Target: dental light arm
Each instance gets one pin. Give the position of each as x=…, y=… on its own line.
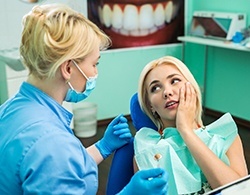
x=13, y=62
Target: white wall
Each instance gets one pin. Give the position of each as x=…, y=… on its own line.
x=11, y=13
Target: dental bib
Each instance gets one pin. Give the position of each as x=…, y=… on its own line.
x=185, y=176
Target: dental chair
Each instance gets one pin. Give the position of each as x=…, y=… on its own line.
x=121, y=169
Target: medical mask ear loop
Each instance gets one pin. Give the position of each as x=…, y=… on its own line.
x=80, y=70
x=70, y=85
x=68, y=82
x=73, y=96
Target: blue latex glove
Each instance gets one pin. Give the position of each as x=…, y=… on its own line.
x=116, y=135
x=151, y=181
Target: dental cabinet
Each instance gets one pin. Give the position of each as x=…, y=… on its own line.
x=220, y=67
x=12, y=73
x=213, y=43
x=210, y=43
x=10, y=81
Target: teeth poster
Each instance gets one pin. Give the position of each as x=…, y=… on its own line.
x=133, y=23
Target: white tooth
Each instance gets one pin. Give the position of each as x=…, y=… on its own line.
x=117, y=17
x=124, y=32
x=152, y=30
x=168, y=11
x=144, y=32
x=100, y=14
x=130, y=17
x=146, y=17
x=159, y=15
x=107, y=15
x=135, y=33
x=139, y=33
x=115, y=30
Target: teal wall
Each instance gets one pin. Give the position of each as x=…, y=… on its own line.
x=228, y=71
x=118, y=73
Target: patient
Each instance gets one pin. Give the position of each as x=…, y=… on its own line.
x=198, y=158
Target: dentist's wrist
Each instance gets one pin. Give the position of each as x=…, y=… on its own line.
x=103, y=149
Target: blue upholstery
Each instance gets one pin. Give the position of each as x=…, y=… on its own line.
x=121, y=169
x=139, y=118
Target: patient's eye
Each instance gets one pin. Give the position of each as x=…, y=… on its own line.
x=175, y=80
x=155, y=88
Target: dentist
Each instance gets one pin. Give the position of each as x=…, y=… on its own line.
x=39, y=152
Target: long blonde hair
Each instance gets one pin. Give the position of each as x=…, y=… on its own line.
x=55, y=33
x=143, y=95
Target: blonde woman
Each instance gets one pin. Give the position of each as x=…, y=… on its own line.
x=39, y=152
x=197, y=158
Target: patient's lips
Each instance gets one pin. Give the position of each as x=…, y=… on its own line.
x=171, y=104
x=136, y=23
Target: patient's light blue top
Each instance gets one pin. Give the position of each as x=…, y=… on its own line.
x=185, y=176
x=39, y=153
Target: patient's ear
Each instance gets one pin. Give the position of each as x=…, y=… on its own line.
x=152, y=109
x=139, y=118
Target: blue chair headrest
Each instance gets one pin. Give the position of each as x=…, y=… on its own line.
x=139, y=118
x=121, y=169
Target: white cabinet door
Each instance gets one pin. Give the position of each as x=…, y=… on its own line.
x=14, y=84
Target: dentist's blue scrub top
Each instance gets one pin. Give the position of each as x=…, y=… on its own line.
x=39, y=153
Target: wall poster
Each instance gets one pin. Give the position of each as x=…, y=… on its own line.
x=132, y=23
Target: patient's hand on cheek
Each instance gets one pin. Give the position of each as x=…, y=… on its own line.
x=185, y=115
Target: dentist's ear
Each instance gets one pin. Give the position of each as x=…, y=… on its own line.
x=65, y=69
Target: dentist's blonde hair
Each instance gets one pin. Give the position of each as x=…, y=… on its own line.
x=55, y=33
x=143, y=94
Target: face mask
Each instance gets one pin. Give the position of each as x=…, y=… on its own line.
x=74, y=96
